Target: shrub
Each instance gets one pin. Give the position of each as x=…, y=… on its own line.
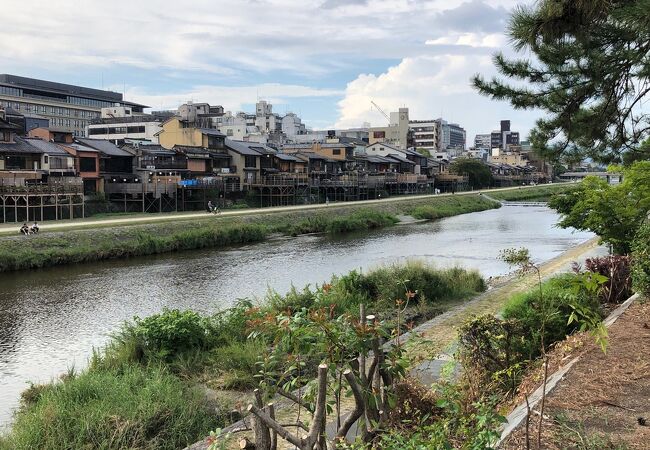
x=364, y=219
x=641, y=260
x=553, y=310
x=491, y=352
x=452, y=424
x=171, y=332
x=386, y=284
x=136, y=407
x=618, y=286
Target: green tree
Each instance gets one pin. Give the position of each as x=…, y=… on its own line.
x=479, y=174
x=613, y=212
x=590, y=75
x=641, y=154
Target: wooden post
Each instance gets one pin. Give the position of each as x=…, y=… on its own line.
x=274, y=434
x=262, y=434
x=27, y=205
x=71, y=208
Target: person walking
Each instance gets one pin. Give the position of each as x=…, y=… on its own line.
x=210, y=206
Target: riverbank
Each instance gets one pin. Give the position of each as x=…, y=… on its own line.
x=208, y=231
x=121, y=219
x=541, y=193
x=166, y=357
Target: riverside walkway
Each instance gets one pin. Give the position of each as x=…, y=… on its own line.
x=137, y=219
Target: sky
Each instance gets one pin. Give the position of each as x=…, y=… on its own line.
x=325, y=60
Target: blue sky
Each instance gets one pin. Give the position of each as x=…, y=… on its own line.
x=323, y=59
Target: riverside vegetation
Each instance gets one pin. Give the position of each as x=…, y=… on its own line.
x=141, y=390
x=79, y=246
x=49, y=249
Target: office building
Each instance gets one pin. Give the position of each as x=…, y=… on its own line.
x=65, y=106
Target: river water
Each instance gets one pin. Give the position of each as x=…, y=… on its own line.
x=50, y=319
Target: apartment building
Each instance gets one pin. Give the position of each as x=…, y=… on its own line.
x=425, y=135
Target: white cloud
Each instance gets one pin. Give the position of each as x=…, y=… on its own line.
x=492, y=40
x=308, y=37
x=231, y=98
x=431, y=87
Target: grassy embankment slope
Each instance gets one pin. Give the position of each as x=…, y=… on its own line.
x=77, y=246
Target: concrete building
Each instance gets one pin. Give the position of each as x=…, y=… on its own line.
x=397, y=133
x=483, y=142
x=65, y=106
x=451, y=138
x=178, y=132
x=504, y=137
x=292, y=125
x=265, y=119
x=118, y=124
x=425, y=135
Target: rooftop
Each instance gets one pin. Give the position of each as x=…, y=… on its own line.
x=105, y=147
x=62, y=89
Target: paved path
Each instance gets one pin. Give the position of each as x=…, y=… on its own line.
x=12, y=228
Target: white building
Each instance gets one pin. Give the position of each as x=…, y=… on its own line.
x=292, y=125
x=119, y=123
x=425, y=134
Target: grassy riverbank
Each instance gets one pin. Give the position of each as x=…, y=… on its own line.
x=79, y=246
x=141, y=391
x=540, y=193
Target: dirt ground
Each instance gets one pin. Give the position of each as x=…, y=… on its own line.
x=604, y=399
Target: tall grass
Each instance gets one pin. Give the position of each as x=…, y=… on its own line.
x=538, y=193
x=452, y=206
x=135, y=407
x=42, y=252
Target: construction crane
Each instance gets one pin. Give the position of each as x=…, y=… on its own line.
x=380, y=110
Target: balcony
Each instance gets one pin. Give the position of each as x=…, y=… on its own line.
x=163, y=165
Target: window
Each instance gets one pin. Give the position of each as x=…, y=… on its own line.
x=379, y=134
x=87, y=164
x=46, y=159
x=336, y=151
x=4, y=136
x=229, y=132
x=215, y=142
x=250, y=161
x=6, y=90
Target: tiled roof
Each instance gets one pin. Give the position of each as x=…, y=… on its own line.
x=19, y=146
x=104, y=146
x=49, y=148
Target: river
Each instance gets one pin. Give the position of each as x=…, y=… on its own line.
x=50, y=319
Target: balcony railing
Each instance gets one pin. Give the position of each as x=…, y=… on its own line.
x=165, y=165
